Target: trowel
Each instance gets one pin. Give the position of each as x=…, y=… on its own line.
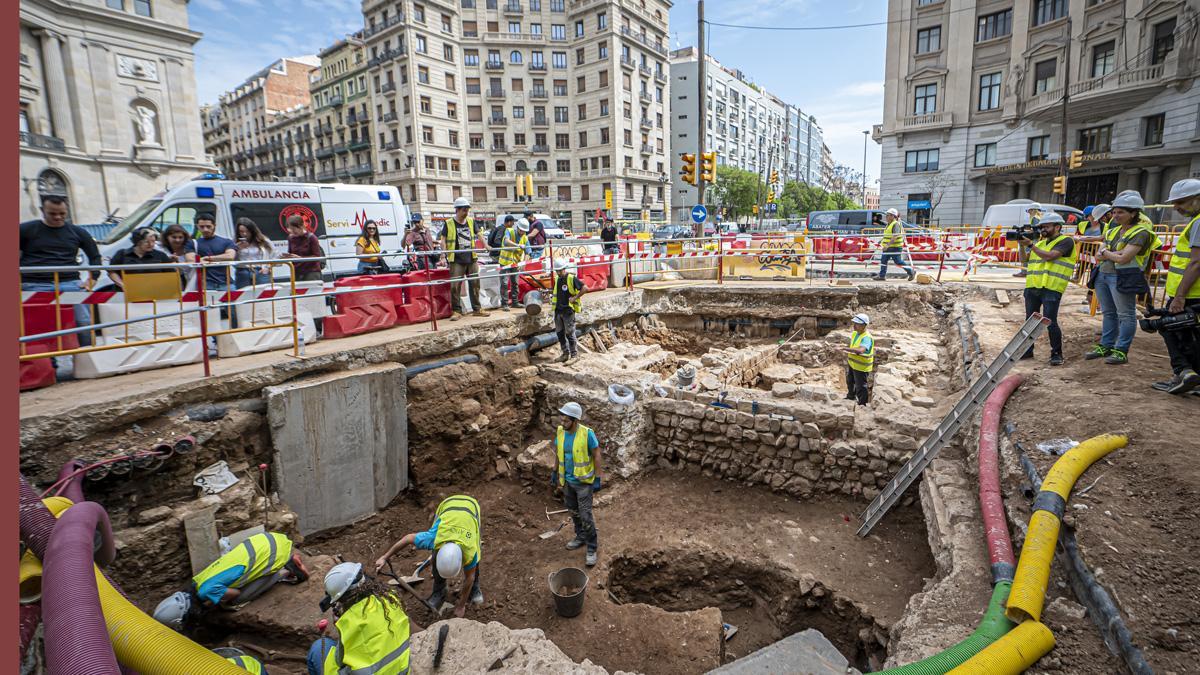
x=550, y=533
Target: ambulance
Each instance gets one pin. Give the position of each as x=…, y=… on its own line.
x=334, y=212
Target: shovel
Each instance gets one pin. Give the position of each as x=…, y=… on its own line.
x=415, y=577
x=404, y=584
x=550, y=533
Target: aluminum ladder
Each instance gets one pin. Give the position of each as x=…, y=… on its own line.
x=975, y=395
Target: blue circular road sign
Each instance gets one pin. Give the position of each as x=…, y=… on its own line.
x=699, y=213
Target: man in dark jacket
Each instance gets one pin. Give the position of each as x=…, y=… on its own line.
x=53, y=242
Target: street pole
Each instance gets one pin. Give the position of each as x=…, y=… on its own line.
x=766, y=181
x=866, y=134
x=1062, y=142
x=702, y=117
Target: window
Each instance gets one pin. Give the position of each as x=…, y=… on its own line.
x=449, y=77
x=452, y=137
x=501, y=192
x=584, y=193
x=536, y=59
x=427, y=134
x=419, y=13
x=474, y=113
x=1039, y=148
x=562, y=165
x=116, y=4
x=1095, y=139
x=448, y=53
x=422, y=75
x=921, y=160
x=471, y=57
x=535, y=29
x=604, y=107
x=1044, y=76
x=562, y=141
x=1164, y=41
x=579, y=28
x=991, y=26
x=471, y=29
x=1104, y=58
x=476, y=143
x=421, y=44
x=514, y=57
x=558, y=5
x=602, y=50
x=452, y=110
x=564, y=193
x=1154, y=126
x=479, y=194
x=560, y=115
x=929, y=39
x=604, y=78
x=559, y=59
x=558, y=31
x=580, y=84
x=514, y=26
x=431, y=193
x=560, y=87
x=583, y=139
x=602, y=20
x=519, y=141
x=985, y=154
x=989, y=91
x=426, y=105
x=446, y=26
x=1045, y=11
x=925, y=99
x=141, y=7
x=518, y=112
x=582, y=112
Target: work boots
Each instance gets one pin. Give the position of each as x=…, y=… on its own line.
x=438, y=596
x=912, y=274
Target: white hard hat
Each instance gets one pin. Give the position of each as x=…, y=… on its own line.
x=560, y=265
x=893, y=212
x=1129, y=199
x=171, y=611
x=861, y=318
x=341, y=578
x=1051, y=218
x=449, y=560
x=462, y=203
x=1100, y=210
x=572, y=409
x=225, y=545
x=523, y=225
x=1188, y=187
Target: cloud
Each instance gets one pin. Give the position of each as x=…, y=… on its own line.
x=856, y=89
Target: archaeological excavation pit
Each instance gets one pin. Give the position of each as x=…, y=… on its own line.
x=734, y=476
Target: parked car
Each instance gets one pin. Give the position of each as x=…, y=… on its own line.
x=1018, y=212
x=667, y=232
x=848, y=222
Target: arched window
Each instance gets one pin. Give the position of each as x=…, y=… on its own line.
x=521, y=165
x=51, y=183
x=514, y=57
x=541, y=165
x=500, y=166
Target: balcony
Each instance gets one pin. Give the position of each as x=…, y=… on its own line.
x=387, y=87
x=388, y=117
x=538, y=94
x=627, y=62
x=497, y=121
x=336, y=100
x=384, y=57
x=935, y=120
x=499, y=148
x=537, y=67
x=513, y=9
x=340, y=148
x=493, y=65
x=42, y=142
x=647, y=123
x=381, y=27
x=359, y=144
x=660, y=77
x=390, y=145
x=495, y=93
x=261, y=149
x=645, y=71
x=493, y=37
x=539, y=121
x=325, y=129
x=645, y=97
x=1103, y=96
x=647, y=149
x=360, y=170
x=642, y=39
x=326, y=176
x=323, y=152
x=540, y=149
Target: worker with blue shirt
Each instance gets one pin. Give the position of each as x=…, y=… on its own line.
x=243, y=573
x=860, y=360
x=454, y=537
x=577, y=472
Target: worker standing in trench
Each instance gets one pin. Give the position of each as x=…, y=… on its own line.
x=240, y=575
x=454, y=537
x=577, y=471
x=860, y=360
x=373, y=630
x=567, y=291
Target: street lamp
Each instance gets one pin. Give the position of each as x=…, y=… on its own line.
x=866, y=135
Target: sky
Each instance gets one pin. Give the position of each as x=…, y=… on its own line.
x=836, y=75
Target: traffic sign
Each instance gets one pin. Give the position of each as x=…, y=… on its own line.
x=608, y=199
x=699, y=213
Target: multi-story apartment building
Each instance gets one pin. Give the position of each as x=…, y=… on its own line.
x=468, y=95
x=291, y=138
x=827, y=168
x=974, y=101
x=107, y=95
x=249, y=111
x=746, y=126
x=804, y=138
x=342, y=114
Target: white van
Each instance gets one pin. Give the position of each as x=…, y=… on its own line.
x=1017, y=212
x=334, y=212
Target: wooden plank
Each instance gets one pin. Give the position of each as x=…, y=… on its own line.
x=1002, y=297
x=201, y=530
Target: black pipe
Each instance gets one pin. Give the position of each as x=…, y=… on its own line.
x=425, y=367
x=532, y=344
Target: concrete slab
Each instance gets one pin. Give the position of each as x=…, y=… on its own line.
x=341, y=444
x=807, y=652
x=201, y=530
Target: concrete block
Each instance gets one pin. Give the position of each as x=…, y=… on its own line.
x=341, y=444
x=805, y=652
x=201, y=530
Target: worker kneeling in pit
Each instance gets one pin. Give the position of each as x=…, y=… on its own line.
x=242, y=660
x=240, y=575
x=371, y=624
x=454, y=538
x=860, y=360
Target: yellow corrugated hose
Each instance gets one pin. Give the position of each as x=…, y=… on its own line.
x=140, y=642
x=1031, y=640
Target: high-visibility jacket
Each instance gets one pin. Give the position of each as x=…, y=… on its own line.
x=372, y=638
x=864, y=362
x=509, y=257
x=261, y=554
x=459, y=523
x=893, y=235
x=573, y=287
x=1052, y=275
x=584, y=470
x=1179, y=262
x=452, y=242
x=247, y=663
x=1115, y=241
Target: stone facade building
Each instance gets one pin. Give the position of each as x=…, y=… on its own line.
x=107, y=104
x=341, y=113
x=974, y=101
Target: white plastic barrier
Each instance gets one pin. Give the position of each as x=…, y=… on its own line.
x=316, y=306
x=259, y=314
x=489, y=286
x=143, y=357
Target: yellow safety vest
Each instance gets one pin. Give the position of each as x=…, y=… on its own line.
x=508, y=257
x=459, y=516
x=1052, y=275
x=1114, y=241
x=452, y=237
x=865, y=362
x=261, y=554
x=573, y=287
x=372, y=638
x=247, y=663
x=584, y=471
x=1179, y=262
x=893, y=235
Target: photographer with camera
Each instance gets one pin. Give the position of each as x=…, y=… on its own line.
x=1051, y=265
x=1128, y=242
x=1177, y=321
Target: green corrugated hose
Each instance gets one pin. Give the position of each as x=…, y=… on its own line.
x=992, y=627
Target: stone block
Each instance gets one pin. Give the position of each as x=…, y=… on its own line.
x=841, y=449
x=923, y=402
x=153, y=515
x=762, y=424
x=689, y=424
x=791, y=442
x=662, y=419
x=734, y=433
x=749, y=435
x=783, y=390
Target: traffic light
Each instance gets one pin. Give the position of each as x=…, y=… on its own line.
x=708, y=167
x=754, y=209
x=1060, y=185
x=529, y=187
x=1076, y=160
x=770, y=196
x=688, y=171
x=774, y=177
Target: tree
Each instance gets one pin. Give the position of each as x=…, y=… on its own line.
x=736, y=190
x=799, y=199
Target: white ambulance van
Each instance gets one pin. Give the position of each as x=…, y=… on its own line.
x=334, y=212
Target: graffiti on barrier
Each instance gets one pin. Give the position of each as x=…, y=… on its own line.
x=780, y=256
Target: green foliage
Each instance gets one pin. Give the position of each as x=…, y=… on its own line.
x=799, y=199
x=737, y=191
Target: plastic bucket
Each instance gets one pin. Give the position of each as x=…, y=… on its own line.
x=570, y=604
x=533, y=303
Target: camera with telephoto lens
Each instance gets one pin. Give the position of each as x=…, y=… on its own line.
x=1023, y=232
x=1165, y=321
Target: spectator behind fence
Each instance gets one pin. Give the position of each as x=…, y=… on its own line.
x=537, y=234
x=179, y=247
x=252, y=245
x=1127, y=246
x=212, y=248
x=458, y=237
x=366, y=244
x=1183, y=291
x=53, y=242
x=419, y=239
x=303, y=244
x=608, y=235
x=142, y=251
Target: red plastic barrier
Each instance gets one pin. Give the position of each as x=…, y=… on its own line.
x=367, y=280
x=361, y=312
x=36, y=373
x=594, y=275
x=423, y=301
x=40, y=319
x=532, y=268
